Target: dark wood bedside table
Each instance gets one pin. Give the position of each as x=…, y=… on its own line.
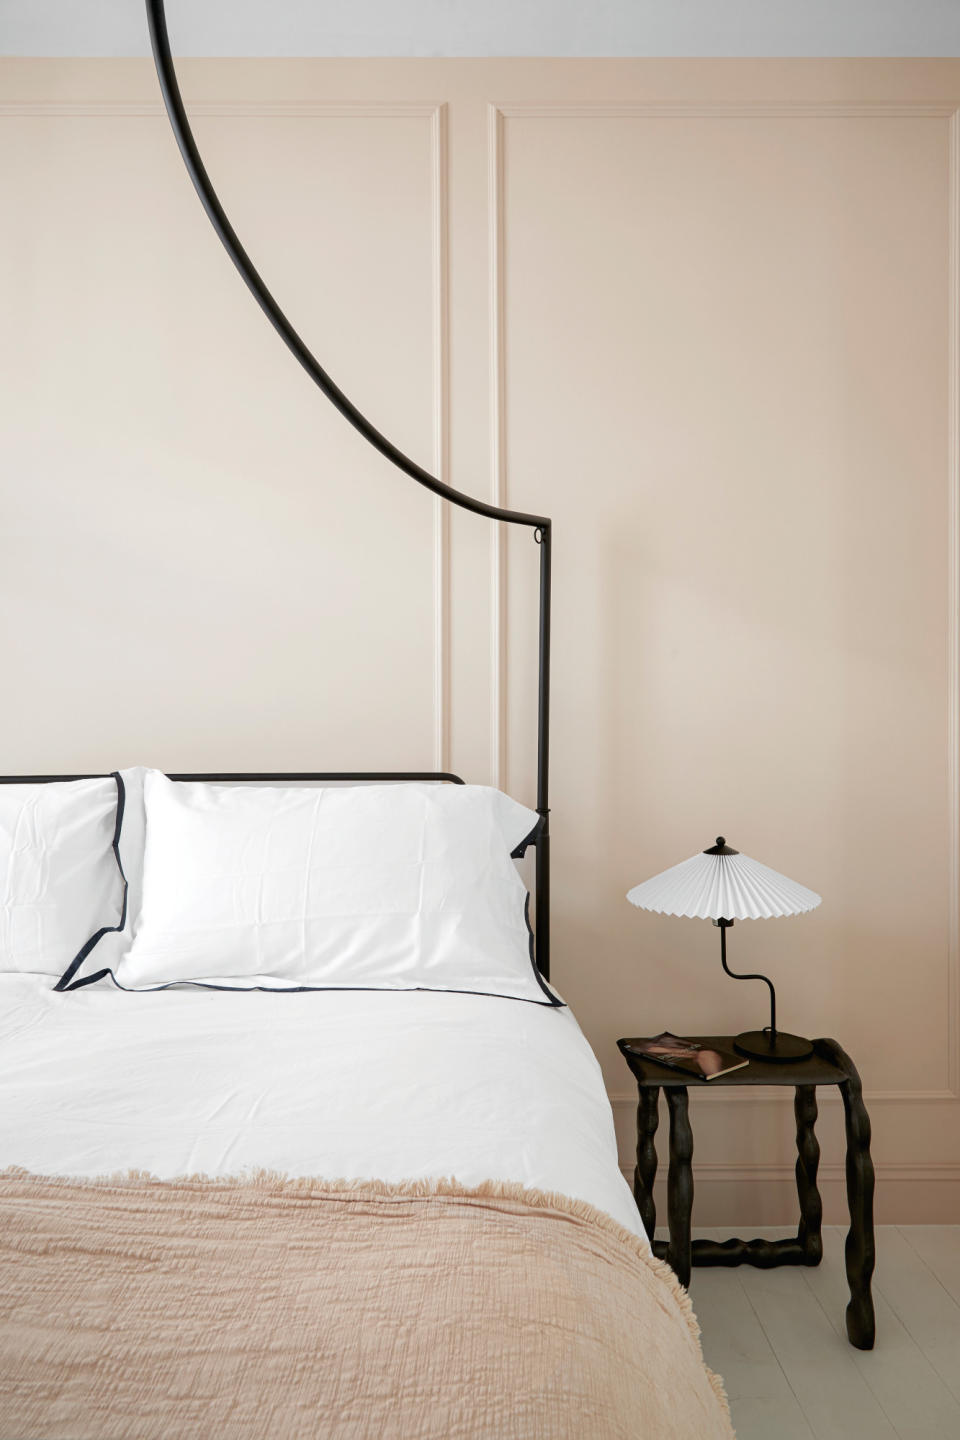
x=828, y=1065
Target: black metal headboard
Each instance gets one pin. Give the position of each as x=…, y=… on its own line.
x=273, y=777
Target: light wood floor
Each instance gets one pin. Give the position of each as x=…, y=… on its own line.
x=777, y=1337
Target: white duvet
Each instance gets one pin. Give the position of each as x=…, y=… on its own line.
x=335, y=1084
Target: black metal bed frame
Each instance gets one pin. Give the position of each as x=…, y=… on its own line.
x=540, y=524
x=272, y=777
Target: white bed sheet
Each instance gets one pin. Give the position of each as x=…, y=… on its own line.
x=332, y=1084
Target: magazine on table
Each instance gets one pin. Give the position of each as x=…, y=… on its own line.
x=691, y=1057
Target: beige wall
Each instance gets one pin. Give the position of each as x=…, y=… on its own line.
x=704, y=313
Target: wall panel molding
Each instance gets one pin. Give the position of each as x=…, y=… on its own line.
x=733, y=110
x=254, y=109
x=436, y=114
x=777, y=1095
x=498, y=447
x=827, y=1174
x=953, y=620
x=812, y=110
x=440, y=200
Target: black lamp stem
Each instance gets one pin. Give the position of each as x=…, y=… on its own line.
x=724, y=926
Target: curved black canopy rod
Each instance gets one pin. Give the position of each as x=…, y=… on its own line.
x=208, y=197
x=540, y=524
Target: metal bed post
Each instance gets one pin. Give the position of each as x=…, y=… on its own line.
x=539, y=524
x=543, y=535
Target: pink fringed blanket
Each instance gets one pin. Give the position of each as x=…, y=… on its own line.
x=135, y=1308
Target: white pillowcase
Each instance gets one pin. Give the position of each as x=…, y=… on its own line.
x=397, y=886
x=58, y=873
x=105, y=951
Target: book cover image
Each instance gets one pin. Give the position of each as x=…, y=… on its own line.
x=689, y=1056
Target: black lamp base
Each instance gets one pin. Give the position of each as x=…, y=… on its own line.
x=772, y=1045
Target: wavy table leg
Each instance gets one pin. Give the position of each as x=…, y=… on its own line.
x=809, y=1234
x=648, y=1118
x=679, y=1183
x=860, y=1252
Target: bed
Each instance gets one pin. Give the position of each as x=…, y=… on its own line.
x=296, y=1137
x=249, y=1205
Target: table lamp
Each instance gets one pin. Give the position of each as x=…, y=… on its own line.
x=722, y=885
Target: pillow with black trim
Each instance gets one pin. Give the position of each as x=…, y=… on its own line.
x=58, y=871
x=384, y=887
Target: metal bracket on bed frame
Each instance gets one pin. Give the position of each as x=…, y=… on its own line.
x=539, y=524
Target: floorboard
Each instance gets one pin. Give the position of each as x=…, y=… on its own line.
x=778, y=1338
x=912, y=1287
x=939, y=1248
x=916, y=1401
x=736, y=1346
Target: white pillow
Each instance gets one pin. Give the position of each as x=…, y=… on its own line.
x=387, y=887
x=105, y=948
x=58, y=872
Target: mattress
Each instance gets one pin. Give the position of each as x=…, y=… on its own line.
x=343, y=1085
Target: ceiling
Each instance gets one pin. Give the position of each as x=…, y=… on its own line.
x=488, y=27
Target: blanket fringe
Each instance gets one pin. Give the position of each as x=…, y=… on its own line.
x=272, y=1182
x=718, y=1388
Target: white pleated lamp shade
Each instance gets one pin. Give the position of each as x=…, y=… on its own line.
x=722, y=884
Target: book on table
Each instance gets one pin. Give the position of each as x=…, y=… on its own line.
x=691, y=1057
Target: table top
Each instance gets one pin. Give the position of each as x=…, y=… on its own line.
x=817, y=1069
